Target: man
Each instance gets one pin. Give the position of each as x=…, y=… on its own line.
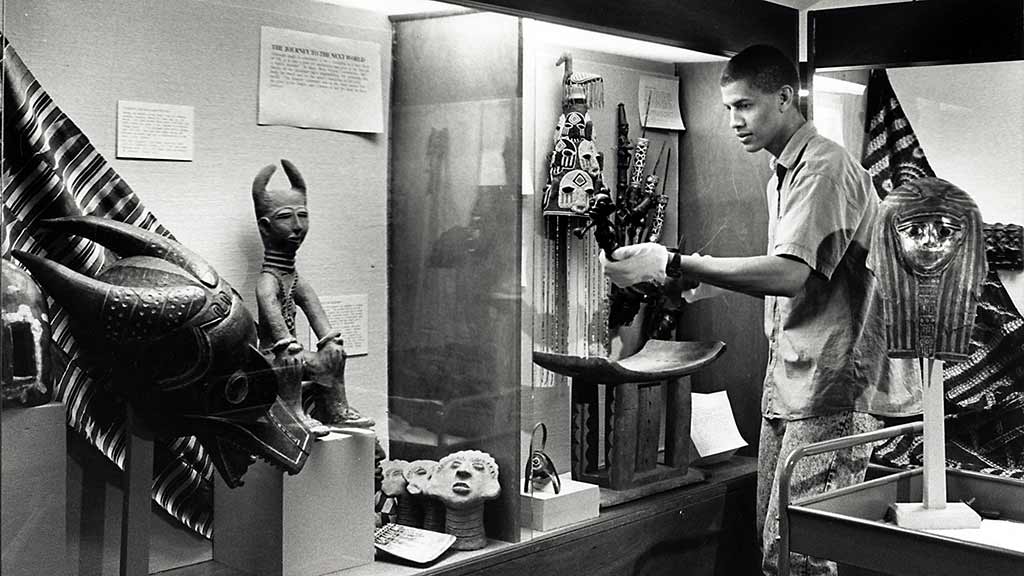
x=827, y=374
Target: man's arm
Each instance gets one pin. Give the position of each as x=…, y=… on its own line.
x=753, y=275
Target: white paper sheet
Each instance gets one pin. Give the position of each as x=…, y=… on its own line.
x=658, y=99
x=154, y=131
x=315, y=81
x=347, y=314
x=712, y=425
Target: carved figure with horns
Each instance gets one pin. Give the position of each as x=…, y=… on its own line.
x=283, y=220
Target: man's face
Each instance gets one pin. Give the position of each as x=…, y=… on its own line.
x=754, y=116
x=287, y=221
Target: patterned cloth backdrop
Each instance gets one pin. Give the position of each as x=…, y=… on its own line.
x=50, y=170
x=985, y=393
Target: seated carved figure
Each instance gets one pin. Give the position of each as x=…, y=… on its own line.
x=283, y=221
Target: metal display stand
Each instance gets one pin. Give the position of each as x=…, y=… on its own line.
x=849, y=525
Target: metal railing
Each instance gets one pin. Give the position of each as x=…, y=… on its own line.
x=820, y=448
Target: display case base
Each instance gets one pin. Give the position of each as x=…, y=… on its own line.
x=610, y=497
x=34, y=487
x=316, y=522
x=576, y=502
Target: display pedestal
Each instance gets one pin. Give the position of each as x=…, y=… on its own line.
x=34, y=476
x=576, y=502
x=315, y=522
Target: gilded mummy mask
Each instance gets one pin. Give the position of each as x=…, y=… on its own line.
x=26, y=374
x=928, y=253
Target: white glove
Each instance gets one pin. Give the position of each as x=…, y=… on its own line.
x=636, y=263
x=703, y=291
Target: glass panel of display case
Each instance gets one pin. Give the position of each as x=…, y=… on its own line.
x=454, y=247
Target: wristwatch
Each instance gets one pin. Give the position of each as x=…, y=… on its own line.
x=674, y=268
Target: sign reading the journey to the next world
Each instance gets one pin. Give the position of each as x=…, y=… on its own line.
x=315, y=81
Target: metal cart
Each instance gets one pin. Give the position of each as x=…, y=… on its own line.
x=849, y=525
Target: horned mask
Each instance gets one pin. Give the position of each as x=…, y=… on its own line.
x=168, y=334
x=928, y=253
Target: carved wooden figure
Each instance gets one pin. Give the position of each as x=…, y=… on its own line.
x=928, y=253
x=574, y=172
x=283, y=221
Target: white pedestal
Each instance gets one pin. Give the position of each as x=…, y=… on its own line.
x=316, y=522
x=578, y=501
x=915, y=516
x=34, y=487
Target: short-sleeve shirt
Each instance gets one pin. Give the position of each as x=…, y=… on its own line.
x=827, y=349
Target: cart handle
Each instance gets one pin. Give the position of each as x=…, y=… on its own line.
x=819, y=448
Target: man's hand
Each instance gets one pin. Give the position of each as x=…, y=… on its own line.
x=636, y=263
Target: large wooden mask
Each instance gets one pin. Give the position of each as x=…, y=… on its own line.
x=928, y=253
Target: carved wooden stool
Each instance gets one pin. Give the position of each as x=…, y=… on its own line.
x=634, y=404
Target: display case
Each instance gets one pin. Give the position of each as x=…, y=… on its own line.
x=265, y=259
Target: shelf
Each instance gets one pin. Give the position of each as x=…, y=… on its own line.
x=735, y=475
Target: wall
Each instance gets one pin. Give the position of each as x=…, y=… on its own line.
x=723, y=212
x=89, y=54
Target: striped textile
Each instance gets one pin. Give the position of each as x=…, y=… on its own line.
x=50, y=169
x=985, y=393
x=892, y=153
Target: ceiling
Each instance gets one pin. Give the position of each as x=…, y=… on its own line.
x=798, y=4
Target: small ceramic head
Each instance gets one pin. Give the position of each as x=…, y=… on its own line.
x=418, y=474
x=281, y=214
x=465, y=478
x=393, y=483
